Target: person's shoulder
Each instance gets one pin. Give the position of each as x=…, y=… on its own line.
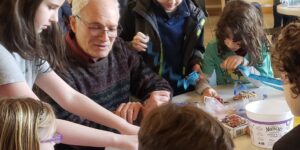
x=212, y=43
x=3, y=49
x=195, y=8
x=6, y=54
x=212, y=47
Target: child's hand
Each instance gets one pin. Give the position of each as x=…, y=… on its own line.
x=232, y=62
x=197, y=68
x=140, y=41
x=210, y=92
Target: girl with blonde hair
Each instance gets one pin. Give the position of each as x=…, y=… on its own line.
x=27, y=124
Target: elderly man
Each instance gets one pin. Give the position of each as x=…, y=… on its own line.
x=103, y=68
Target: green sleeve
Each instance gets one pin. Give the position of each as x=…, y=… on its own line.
x=209, y=58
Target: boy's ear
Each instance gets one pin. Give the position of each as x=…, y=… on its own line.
x=73, y=23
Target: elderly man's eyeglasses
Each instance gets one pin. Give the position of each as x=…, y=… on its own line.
x=96, y=29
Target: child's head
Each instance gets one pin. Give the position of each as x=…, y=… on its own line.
x=21, y=23
x=172, y=127
x=25, y=123
x=240, y=26
x=169, y=5
x=286, y=59
x=46, y=14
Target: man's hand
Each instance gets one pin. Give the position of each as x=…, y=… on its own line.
x=232, y=62
x=156, y=99
x=129, y=111
x=140, y=41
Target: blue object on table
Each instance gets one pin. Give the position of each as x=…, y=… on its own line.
x=188, y=80
x=238, y=87
x=271, y=82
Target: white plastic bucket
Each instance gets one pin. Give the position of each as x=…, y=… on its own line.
x=269, y=120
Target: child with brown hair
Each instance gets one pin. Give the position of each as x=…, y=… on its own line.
x=286, y=59
x=240, y=40
x=171, y=127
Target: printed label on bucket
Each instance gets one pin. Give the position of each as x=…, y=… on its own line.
x=265, y=134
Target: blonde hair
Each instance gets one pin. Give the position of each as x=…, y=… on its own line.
x=24, y=122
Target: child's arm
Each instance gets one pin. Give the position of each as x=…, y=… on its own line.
x=73, y=133
x=207, y=67
x=204, y=88
x=81, y=105
x=76, y=134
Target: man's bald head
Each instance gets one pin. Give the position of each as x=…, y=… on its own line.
x=78, y=5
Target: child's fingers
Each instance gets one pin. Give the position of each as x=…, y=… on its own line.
x=224, y=65
x=139, y=46
x=141, y=34
x=230, y=64
x=142, y=37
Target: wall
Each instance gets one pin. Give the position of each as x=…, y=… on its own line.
x=214, y=7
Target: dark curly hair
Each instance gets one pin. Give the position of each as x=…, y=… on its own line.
x=244, y=21
x=286, y=55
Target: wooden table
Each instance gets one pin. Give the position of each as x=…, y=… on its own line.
x=226, y=92
x=242, y=142
x=291, y=11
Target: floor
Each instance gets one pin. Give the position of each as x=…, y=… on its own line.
x=212, y=21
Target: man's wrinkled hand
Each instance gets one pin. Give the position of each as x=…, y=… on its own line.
x=129, y=111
